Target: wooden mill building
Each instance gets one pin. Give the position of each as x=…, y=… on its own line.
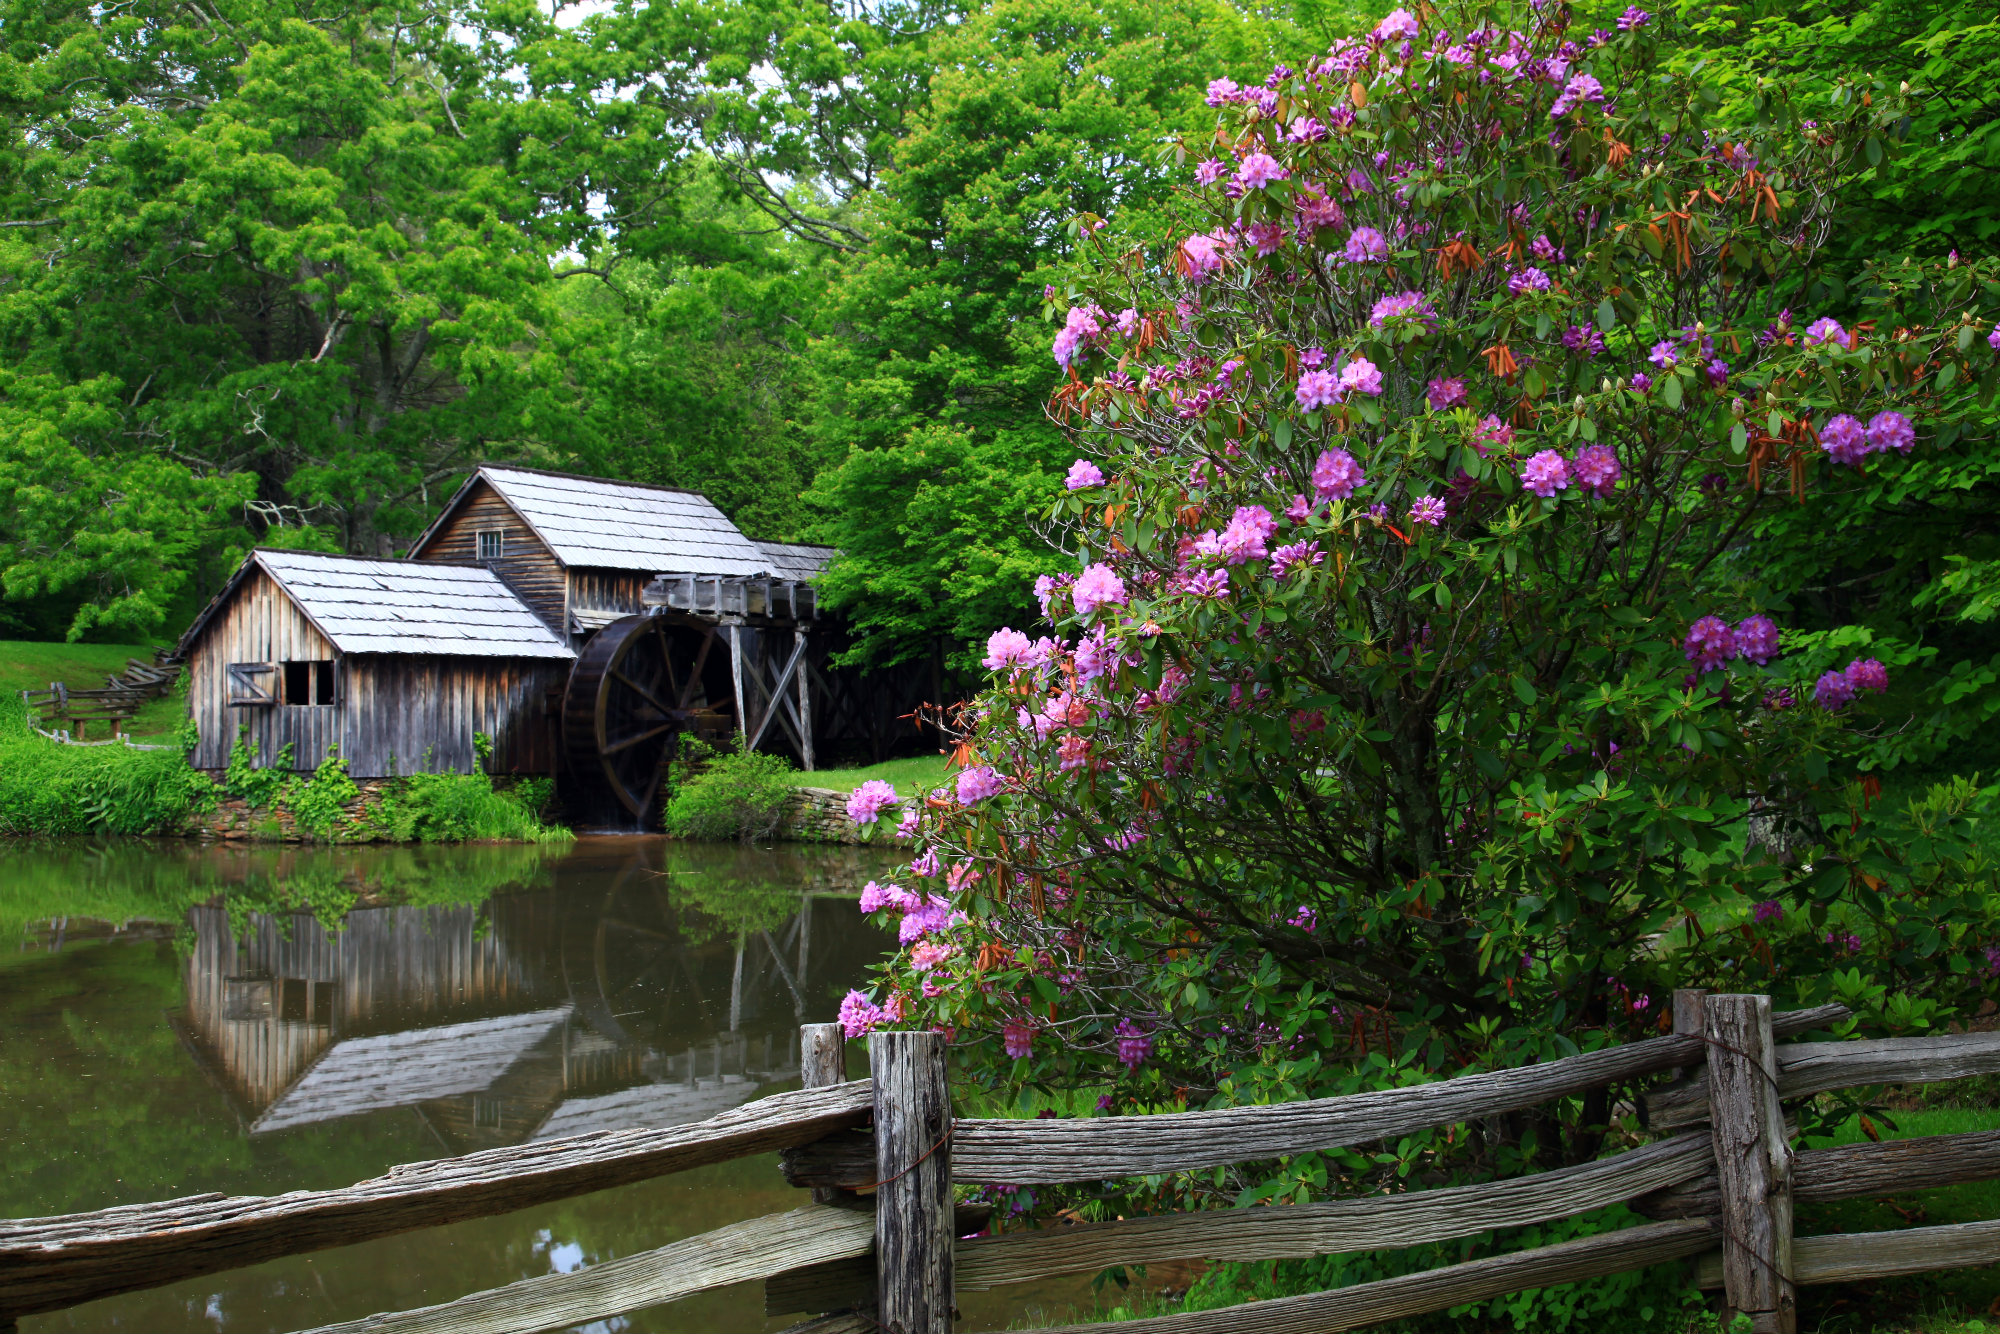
x=583, y=625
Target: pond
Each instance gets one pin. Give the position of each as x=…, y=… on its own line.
x=182, y=1018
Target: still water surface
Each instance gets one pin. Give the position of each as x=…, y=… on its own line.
x=177, y=1019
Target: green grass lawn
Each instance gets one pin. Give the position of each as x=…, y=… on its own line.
x=31, y=666
x=910, y=777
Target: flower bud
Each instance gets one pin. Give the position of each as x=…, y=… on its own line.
x=1604, y=385
x=1738, y=407
x=1577, y=406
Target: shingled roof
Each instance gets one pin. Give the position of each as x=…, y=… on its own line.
x=597, y=524
x=794, y=560
x=399, y=606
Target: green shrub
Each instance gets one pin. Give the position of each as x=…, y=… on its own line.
x=318, y=804
x=451, y=808
x=49, y=788
x=725, y=795
x=257, y=788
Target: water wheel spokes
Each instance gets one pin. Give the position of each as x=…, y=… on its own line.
x=619, y=724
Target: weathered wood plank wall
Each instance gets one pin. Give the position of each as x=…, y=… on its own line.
x=418, y=714
x=260, y=624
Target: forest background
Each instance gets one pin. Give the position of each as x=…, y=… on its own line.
x=282, y=271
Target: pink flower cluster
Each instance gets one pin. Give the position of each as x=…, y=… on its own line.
x=1018, y=1036
x=1011, y=648
x=977, y=784
x=1545, y=473
x=860, y=1015
x=867, y=802
x=1084, y=324
x=1244, y=539
x=1836, y=690
x=1403, y=310
x=1135, y=1044
x=1083, y=473
x=1846, y=441
x=1336, y=475
x=1711, y=643
x=1098, y=586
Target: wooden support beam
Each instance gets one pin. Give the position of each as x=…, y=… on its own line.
x=736, y=677
x=805, y=710
x=1753, y=1161
x=913, y=1242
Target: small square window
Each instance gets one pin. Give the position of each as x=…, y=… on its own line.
x=493, y=544
x=309, y=681
x=485, y=1112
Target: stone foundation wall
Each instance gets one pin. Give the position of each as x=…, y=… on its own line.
x=233, y=820
x=819, y=815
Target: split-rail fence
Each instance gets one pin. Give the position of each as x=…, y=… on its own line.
x=882, y=1247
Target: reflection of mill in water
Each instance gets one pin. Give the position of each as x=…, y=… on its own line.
x=605, y=1004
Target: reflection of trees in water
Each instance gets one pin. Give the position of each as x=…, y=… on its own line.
x=648, y=984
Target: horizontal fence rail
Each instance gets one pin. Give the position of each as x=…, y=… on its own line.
x=757, y=1249
x=50, y=1263
x=1024, y=1153
x=1806, y=1068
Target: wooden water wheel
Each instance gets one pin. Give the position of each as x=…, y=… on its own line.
x=622, y=715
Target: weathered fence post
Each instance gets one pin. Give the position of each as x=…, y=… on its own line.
x=1753, y=1161
x=822, y=1061
x=913, y=1273
x=1687, y=1015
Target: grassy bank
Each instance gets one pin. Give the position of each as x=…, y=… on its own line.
x=32, y=666
x=911, y=776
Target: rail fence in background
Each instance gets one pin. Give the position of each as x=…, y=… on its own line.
x=882, y=1246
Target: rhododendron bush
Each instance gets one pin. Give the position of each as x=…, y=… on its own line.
x=1415, y=685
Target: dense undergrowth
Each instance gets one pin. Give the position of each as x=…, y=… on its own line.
x=50, y=788
x=721, y=795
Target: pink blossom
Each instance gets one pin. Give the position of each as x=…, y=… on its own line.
x=1098, y=586
x=1318, y=389
x=1833, y=691
x=1210, y=171
x=1891, y=430
x=1492, y=433
x=1073, y=751
x=866, y=803
x=1018, y=1037
x=1401, y=309
x=1993, y=339
x=907, y=826
x=1128, y=322
x=1868, y=674
x=1209, y=583
x=1825, y=330
x=1266, y=237
x=1770, y=910
x=1361, y=374
x=1083, y=473
x=1709, y=643
x=1295, y=556
x=1527, y=280
x=1845, y=440
x=1245, y=537
x=1204, y=256
x=930, y=954
x=1757, y=639
x=976, y=784
x=1427, y=510
x=1580, y=88
x=858, y=1014
x=1299, y=510
x=1135, y=1044
x=1082, y=325
x=1400, y=23
x=1336, y=475
x=1365, y=245
x=1221, y=91
x=1007, y=648
x=1597, y=470
x=1092, y=658
x=1259, y=170
x=1546, y=473
x=925, y=864
x=1445, y=391
x=874, y=897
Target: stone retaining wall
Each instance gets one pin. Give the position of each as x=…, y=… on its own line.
x=819, y=815
x=233, y=820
